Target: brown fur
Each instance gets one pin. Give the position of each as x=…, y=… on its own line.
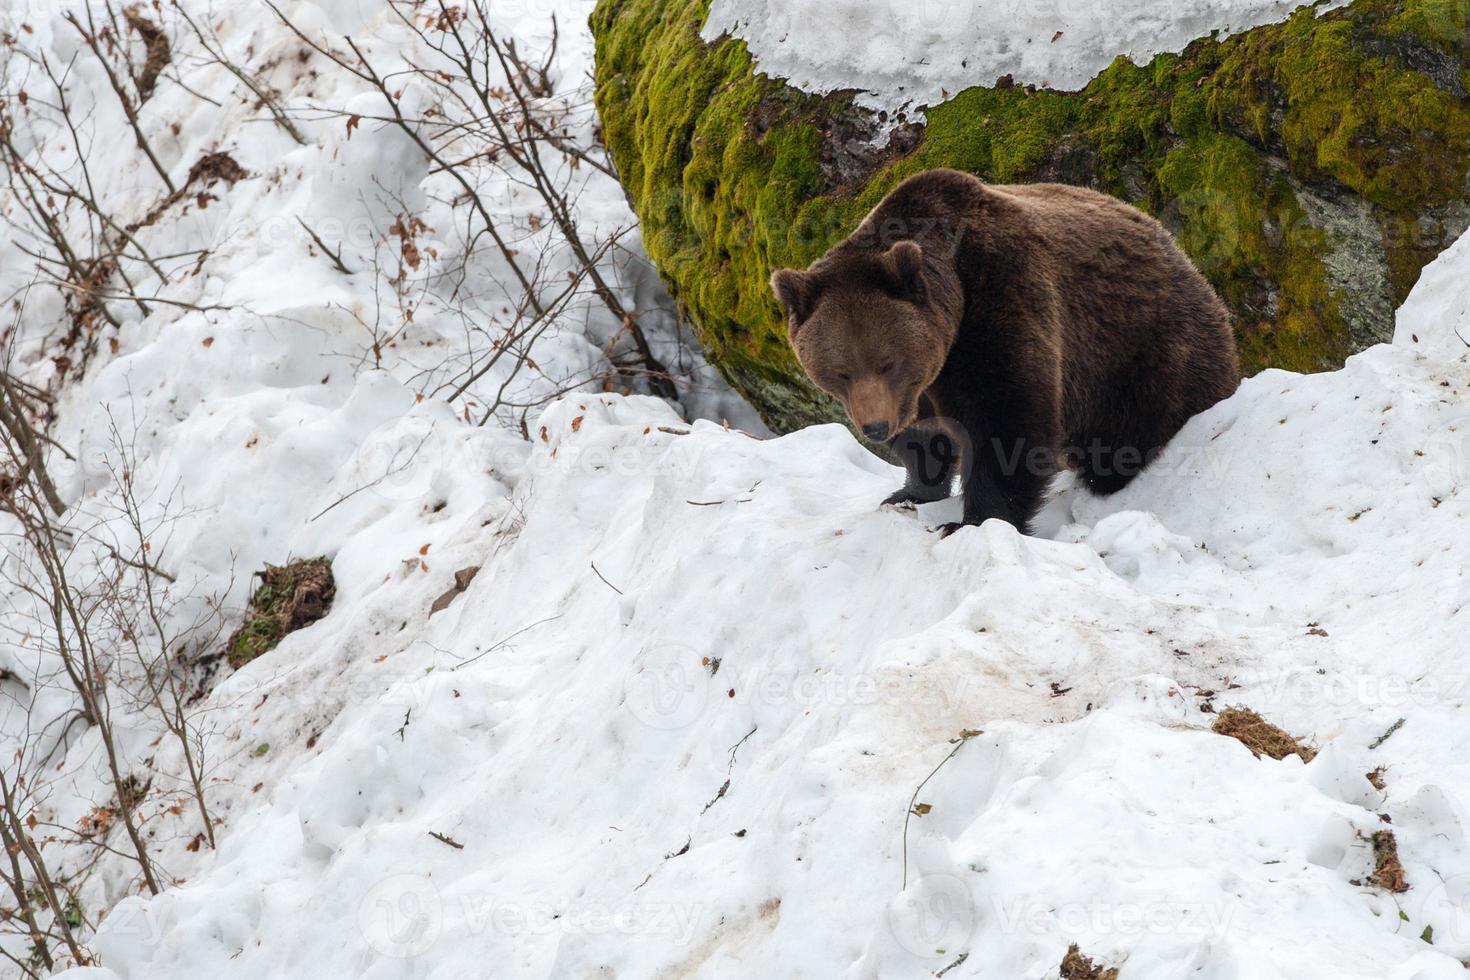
x=1005, y=331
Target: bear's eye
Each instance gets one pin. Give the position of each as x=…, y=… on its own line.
x=886, y=369
x=842, y=379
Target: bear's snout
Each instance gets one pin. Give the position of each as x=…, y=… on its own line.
x=873, y=407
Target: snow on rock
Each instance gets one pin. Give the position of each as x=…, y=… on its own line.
x=899, y=53
x=1435, y=319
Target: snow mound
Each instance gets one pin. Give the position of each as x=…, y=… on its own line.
x=1435, y=319
x=917, y=53
x=677, y=720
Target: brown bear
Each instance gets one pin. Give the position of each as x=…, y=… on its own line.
x=1000, y=333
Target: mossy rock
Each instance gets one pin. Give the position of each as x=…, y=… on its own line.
x=1310, y=168
x=290, y=596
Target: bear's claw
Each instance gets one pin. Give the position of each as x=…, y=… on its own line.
x=906, y=498
x=901, y=500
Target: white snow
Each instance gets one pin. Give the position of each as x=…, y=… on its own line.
x=562, y=727
x=677, y=719
x=901, y=54
x=1435, y=318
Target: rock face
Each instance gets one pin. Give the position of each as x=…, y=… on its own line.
x=1311, y=168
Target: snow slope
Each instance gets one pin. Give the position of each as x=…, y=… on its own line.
x=916, y=53
x=1435, y=319
x=558, y=722
x=675, y=724
x=626, y=811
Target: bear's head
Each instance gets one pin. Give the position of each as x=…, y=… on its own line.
x=871, y=328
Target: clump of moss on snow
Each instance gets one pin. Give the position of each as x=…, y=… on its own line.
x=290, y=596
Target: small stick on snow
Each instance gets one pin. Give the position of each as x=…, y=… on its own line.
x=736, y=748
x=504, y=642
x=964, y=737
x=604, y=579
x=962, y=958
x=1386, y=735
x=716, y=503
x=446, y=839
x=336, y=256
x=368, y=486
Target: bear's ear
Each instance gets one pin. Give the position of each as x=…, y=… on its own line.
x=904, y=263
x=794, y=289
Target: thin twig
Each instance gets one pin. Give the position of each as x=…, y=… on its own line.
x=255, y=87
x=604, y=579
x=336, y=256
x=964, y=737
x=1388, y=734
x=501, y=643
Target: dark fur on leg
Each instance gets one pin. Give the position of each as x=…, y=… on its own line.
x=931, y=456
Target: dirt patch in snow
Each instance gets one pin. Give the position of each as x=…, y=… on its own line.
x=1076, y=966
x=290, y=596
x=1259, y=735
x=1388, y=871
x=155, y=42
x=207, y=171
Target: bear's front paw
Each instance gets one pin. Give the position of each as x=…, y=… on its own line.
x=901, y=499
x=945, y=530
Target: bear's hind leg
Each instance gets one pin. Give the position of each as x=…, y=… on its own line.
x=1106, y=479
x=1107, y=466
x=1105, y=486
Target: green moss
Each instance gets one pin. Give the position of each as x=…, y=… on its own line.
x=289, y=597
x=1257, y=151
x=1443, y=23
x=259, y=635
